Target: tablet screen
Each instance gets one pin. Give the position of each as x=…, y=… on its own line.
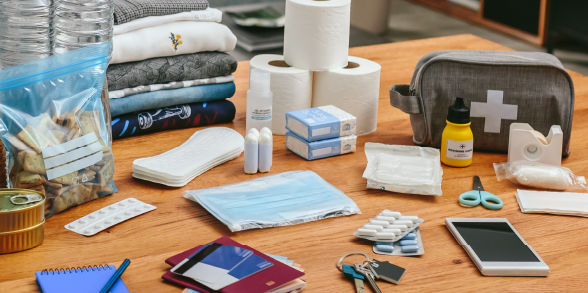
x=495, y=241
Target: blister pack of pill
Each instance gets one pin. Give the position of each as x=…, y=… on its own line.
x=409, y=245
x=109, y=216
x=388, y=226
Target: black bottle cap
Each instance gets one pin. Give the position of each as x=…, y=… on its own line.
x=458, y=112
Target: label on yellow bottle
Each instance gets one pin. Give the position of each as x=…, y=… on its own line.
x=460, y=150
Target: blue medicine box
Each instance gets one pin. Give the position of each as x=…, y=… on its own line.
x=320, y=123
x=322, y=148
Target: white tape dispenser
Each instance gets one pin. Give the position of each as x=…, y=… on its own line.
x=525, y=143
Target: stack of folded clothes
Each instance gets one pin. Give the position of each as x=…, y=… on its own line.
x=169, y=66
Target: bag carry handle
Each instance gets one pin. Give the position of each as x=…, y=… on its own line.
x=400, y=98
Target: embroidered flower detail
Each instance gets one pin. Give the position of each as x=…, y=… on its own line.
x=175, y=40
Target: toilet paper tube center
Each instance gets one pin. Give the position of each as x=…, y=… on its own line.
x=279, y=63
x=351, y=65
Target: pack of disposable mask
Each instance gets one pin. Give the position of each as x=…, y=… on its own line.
x=52, y=123
x=403, y=169
x=278, y=200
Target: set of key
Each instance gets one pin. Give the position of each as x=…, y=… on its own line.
x=370, y=271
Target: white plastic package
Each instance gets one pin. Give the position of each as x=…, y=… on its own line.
x=539, y=175
x=404, y=169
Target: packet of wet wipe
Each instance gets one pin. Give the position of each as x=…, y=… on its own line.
x=52, y=124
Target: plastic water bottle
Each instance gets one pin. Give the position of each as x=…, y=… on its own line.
x=25, y=31
x=80, y=23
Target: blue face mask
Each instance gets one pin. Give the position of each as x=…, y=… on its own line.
x=278, y=200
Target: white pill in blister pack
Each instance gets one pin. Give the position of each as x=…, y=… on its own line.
x=389, y=213
x=388, y=226
x=109, y=216
x=379, y=222
x=373, y=227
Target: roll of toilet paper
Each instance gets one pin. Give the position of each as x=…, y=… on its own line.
x=316, y=34
x=291, y=88
x=354, y=88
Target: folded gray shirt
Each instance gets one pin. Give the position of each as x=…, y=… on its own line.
x=168, y=69
x=127, y=10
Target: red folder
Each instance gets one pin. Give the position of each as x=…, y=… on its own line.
x=263, y=281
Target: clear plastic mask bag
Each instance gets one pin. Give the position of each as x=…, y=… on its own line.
x=52, y=123
x=278, y=200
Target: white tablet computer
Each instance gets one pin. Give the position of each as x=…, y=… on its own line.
x=496, y=248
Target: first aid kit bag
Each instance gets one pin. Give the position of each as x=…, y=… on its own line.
x=499, y=88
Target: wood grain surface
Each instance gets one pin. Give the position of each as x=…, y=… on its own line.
x=179, y=224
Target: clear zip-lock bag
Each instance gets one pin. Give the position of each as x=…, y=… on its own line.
x=52, y=124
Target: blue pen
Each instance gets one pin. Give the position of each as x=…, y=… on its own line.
x=116, y=276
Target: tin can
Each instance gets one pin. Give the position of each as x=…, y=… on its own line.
x=22, y=219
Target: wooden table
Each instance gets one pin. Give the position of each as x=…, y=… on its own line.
x=179, y=224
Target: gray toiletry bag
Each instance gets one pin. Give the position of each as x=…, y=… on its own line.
x=533, y=86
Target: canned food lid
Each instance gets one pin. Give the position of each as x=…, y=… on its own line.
x=12, y=201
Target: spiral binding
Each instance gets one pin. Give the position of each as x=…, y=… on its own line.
x=73, y=270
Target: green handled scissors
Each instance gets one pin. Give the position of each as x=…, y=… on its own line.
x=478, y=196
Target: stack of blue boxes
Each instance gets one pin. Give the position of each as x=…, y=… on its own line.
x=320, y=132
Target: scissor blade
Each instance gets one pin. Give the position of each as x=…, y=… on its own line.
x=478, y=184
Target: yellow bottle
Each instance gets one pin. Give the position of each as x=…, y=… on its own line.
x=457, y=140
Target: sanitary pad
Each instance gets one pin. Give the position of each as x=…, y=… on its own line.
x=204, y=150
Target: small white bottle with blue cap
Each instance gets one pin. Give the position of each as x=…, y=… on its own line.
x=259, y=100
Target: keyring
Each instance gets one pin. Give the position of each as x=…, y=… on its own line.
x=340, y=267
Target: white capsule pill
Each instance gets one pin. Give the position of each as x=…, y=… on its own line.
x=414, y=219
x=379, y=222
x=395, y=231
x=366, y=232
x=389, y=213
x=373, y=227
x=385, y=218
x=404, y=222
x=385, y=235
x=400, y=227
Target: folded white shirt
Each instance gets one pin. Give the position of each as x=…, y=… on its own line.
x=559, y=203
x=209, y=14
x=175, y=38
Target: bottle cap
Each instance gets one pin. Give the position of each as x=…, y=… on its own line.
x=458, y=112
x=259, y=80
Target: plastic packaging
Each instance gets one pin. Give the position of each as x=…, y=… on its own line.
x=52, y=123
x=277, y=200
x=388, y=228
x=109, y=216
x=259, y=100
x=251, y=156
x=25, y=31
x=80, y=23
x=405, y=169
x=539, y=175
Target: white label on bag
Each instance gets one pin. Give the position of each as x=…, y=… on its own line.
x=460, y=150
x=72, y=156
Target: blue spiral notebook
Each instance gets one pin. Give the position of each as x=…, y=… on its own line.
x=87, y=279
